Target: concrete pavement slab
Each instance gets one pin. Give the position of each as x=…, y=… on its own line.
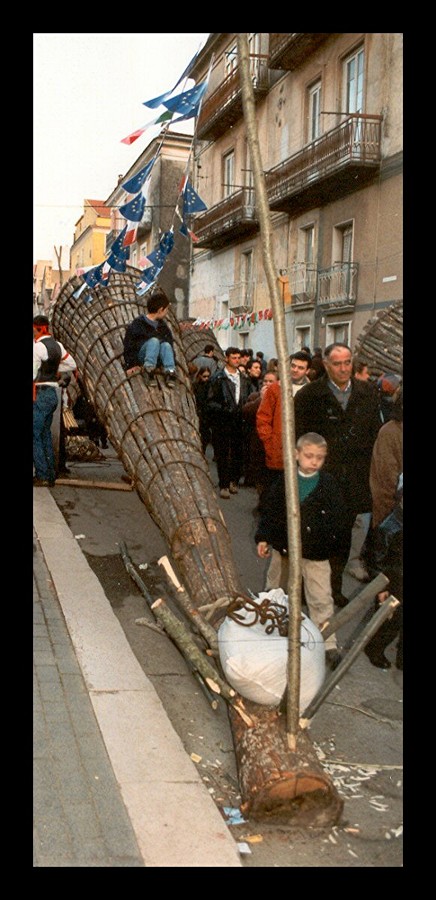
x=175, y=821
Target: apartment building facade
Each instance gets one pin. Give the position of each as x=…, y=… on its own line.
x=329, y=115
x=172, y=153
x=89, y=245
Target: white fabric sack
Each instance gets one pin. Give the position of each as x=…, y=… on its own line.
x=255, y=663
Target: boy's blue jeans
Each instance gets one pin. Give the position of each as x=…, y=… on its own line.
x=154, y=352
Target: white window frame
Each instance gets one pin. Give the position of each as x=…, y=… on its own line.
x=228, y=173
x=314, y=117
x=303, y=335
x=332, y=329
x=354, y=81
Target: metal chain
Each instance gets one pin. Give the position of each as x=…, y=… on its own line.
x=273, y=615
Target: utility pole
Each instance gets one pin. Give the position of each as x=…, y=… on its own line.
x=288, y=420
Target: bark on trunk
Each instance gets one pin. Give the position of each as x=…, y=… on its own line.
x=155, y=433
x=277, y=783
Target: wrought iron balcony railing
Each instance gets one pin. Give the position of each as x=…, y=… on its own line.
x=288, y=51
x=303, y=283
x=223, y=107
x=232, y=219
x=337, y=286
x=340, y=160
x=241, y=297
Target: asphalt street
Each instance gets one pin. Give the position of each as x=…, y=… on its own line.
x=357, y=731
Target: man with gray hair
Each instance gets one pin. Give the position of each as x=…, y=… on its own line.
x=346, y=412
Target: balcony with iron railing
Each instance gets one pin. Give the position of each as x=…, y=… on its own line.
x=337, y=287
x=303, y=282
x=288, y=51
x=230, y=220
x=223, y=107
x=241, y=297
x=340, y=161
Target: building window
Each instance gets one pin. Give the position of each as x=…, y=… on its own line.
x=314, y=112
x=228, y=173
x=231, y=57
x=353, y=82
x=338, y=333
x=309, y=244
x=343, y=243
x=247, y=278
x=302, y=335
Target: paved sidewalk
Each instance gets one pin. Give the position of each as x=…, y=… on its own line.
x=113, y=784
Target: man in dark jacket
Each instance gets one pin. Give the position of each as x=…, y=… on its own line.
x=228, y=392
x=148, y=342
x=346, y=412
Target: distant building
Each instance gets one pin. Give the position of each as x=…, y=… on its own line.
x=89, y=245
x=48, y=280
x=159, y=214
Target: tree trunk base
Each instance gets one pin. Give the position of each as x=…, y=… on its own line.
x=276, y=783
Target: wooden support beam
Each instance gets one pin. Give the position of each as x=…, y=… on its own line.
x=86, y=483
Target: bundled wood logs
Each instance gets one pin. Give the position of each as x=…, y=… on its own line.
x=380, y=346
x=155, y=433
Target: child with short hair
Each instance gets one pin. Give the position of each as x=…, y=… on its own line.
x=322, y=514
x=149, y=341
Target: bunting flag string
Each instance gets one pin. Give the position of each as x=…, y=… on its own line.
x=181, y=106
x=158, y=101
x=134, y=184
x=244, y=320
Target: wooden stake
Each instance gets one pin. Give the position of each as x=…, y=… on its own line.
x=102, y=485
x=378, y=618
x=288, y=419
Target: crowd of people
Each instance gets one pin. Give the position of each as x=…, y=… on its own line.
x=348, y=426
x=348, y=431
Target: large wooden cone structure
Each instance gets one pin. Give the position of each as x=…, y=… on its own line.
x=380, y=345
x=155, y=433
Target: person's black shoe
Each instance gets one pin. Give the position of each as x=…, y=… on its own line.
x=378, y=659
x=170, y=378
x=149, y=377
x=333, y=658
x=340, y=600
x=41, y=482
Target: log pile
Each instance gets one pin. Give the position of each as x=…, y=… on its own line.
x=155, y=434
x=380, y=345
x=194, y=340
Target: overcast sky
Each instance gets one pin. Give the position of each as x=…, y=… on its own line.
x=88, y=95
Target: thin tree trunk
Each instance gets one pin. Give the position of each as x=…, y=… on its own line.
x=288, y=421
x=59, y=257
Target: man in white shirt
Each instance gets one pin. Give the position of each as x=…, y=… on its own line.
x=49, y=356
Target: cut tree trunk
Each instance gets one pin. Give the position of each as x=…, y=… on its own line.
x=154, y=431
x=275, y=782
